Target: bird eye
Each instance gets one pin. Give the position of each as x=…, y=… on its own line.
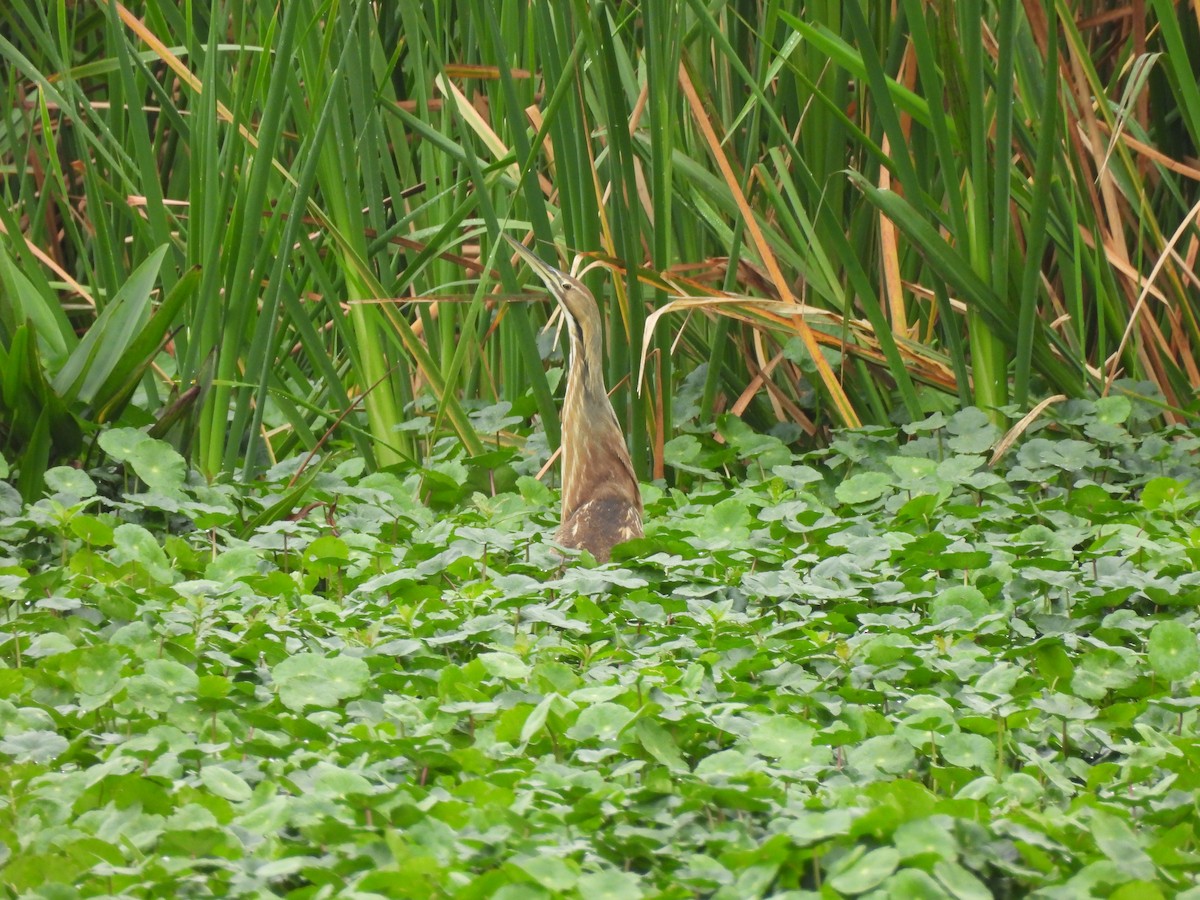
x=566, y=285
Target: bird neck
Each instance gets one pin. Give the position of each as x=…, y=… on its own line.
x=596, y=462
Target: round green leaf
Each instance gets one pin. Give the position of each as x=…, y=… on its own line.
x=1173, y=651
x=819, y=825
x=175, y=678
x=866, y=872
x=914, y=884
x=886, y=753
x=133, y=543
x=157, y=464
x=550, y=872
x=925, y=837
x=49, y=644
x=308, y=679
x=233, y=564
x=779, y=737
x=959, y=601
x=326, y=555
x=71, y=481
x=913, y=472
x=728, y=521
x=92, y=530
x=34, y=746
x=334, y=781
x=610, y=885
x=971, y=751
x=1113, y=410
x=225, y=784
x=683, y=452
x=601, y=721
x=213, y=687
x=504, y=665
x=96, y=669
x=972, y=431
x=863, y=487
x=1164, y=492
x=725, y=764
x=960, y=882
x=119, y=443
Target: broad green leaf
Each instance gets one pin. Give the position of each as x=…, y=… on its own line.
x=887, y=753
x=971, y=751
x=683, y=452
x=96, y=670
x=1117, y=840
x=865, y=872
x=225, y=783
x=601, y=721
x=1164, y=492
x=158, y=465
x=1113, y=410
x=328, y=548
x=92, y=530
x=337, y=782
x=812, y=827
x=864, y=487
x=610, y=885
x=725, y=764
x=233, y=564
x=1173, y=650
x=912, y=471
x=782, y=737
x=505, y=665
x=70, y=481
x=213, y=687
x=925, y=838
x=916, y=884
x=120, y=443
x=33, y=746
x=727, y=522
x=135, y=544
x=658, y=742
x=175, y=678
x=960, y=882
x=763, y=449
x=972, y=431
x=550, y=872
x=959, y=601
x=309, y=679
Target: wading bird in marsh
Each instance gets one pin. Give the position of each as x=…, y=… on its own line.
x=601, y=503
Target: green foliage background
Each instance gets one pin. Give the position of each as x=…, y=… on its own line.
x=251, y=225
x=885, y=669
x=256, y=241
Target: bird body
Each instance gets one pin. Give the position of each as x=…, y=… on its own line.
x=601, y=501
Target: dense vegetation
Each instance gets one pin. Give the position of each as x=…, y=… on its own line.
x=281, y=617
x=886, y=667
x=249, y=225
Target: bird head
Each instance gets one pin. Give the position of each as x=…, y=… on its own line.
x=576, y=301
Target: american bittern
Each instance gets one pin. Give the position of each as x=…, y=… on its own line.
x=601, y=503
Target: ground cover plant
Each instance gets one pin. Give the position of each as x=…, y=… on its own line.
x=887, y=668
x=250, y=224
x=281, y=617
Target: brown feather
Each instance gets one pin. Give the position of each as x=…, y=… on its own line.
x=601, y=500
x=599, y=525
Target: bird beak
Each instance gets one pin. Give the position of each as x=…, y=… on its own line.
x=551, y=277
